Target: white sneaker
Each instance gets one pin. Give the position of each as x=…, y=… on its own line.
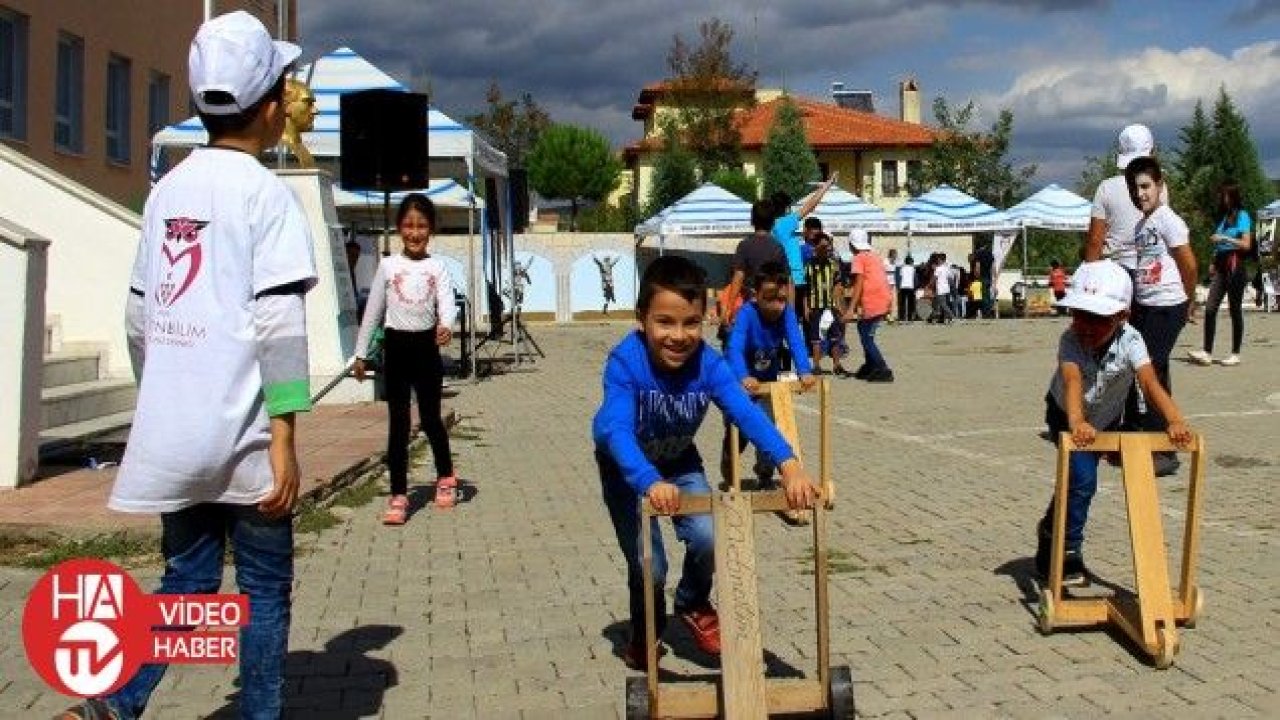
x=1230, y=360
x=1200, y=357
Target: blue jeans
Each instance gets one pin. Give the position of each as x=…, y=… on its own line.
x=1082, y=480
x=193, y=542
x=695, y=531
x=873, y=359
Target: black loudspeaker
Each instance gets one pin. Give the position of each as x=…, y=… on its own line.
x=384, y=140
x=519, y=199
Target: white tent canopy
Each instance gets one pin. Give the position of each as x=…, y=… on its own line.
x=842, y=211
x=1271, y=211
x=445, y=193
x=1053, y=208
x=945, y=209
x=344, y=71
x=709, y=210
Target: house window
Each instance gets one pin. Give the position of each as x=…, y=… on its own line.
x=915, y=173
x=13, y=75
x=68, y=115
x=117, y=115
x=889, y=177
x=824, y=171
x=157, y=103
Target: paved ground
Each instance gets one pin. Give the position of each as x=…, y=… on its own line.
x=512, y=604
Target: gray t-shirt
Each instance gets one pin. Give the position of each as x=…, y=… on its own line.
x=1106, y=379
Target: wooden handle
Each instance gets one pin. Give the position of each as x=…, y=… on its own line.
x=1110, y=442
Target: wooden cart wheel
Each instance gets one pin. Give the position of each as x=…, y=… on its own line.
x=840, y=693
x=637, y=699
x=1197, y=606
x=1044, y=618
x=1166, y=647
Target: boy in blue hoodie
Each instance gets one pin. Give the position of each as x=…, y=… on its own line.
x=765, y=329
x=658, y=383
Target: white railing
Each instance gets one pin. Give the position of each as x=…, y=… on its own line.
x=23, y=273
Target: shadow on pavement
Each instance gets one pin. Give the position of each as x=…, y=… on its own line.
x=340, y=681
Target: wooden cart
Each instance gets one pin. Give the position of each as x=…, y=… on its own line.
x=1150, y=614
x=743, y=690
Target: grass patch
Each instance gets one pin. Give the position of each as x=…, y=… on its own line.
x=839, y=562
x=313, y=518
x=123, y=548
x=357, y=495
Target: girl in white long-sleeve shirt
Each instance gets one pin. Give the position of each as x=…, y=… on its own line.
x=412, y=297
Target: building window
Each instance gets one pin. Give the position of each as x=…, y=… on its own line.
x=68, y=116
x=157, y=103
x=13, y=75
x=824, y=171
x=889, y=177
x=915, y=175
x=117, y=115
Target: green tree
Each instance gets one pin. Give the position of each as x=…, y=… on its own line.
x=1096, y=169
x=514, y=127
x=609, y=218
x=707, y=88
x=973, y=161
x=739, y=183
x=575, y=164
x=674, y=171
x=788, y=164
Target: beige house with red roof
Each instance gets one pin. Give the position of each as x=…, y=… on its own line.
x=874, y=154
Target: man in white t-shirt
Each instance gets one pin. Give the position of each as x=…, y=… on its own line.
x=1114, y=215
x=891, y=273
x=217, y=332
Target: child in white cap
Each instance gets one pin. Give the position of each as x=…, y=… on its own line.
x=1099, y=357
x=217, y=335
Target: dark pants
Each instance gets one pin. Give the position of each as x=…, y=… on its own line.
x=194, y=542
x=412, y=364
x=1229, y=280
x=1082, y=481
x=907, y=304
x=1159, y=327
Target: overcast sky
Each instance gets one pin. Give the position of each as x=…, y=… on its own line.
x=1073, y=71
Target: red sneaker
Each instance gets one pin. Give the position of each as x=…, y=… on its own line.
x=704, y=626
x=447, y=491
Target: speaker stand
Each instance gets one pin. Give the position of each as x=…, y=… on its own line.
x=524, y=340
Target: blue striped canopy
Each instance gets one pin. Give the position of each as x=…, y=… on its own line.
x=709, y=210
x=1272, y=210
x=343, y=71
x=945, y=209
x=842, y=211
x=1053, y=208
x=443, y=193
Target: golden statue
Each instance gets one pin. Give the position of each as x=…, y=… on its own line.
x=300, y=117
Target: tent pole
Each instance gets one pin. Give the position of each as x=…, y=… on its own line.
x=468, y=340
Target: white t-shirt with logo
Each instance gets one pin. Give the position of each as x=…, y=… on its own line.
x=414, y=295
x=1112, y=203
x=217, y=230
x=1157, y=282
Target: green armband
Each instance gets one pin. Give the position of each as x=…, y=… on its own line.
x=287, y=397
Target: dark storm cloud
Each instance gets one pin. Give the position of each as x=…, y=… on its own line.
x=1256, y=11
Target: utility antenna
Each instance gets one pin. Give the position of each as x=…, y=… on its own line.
x=755, y=41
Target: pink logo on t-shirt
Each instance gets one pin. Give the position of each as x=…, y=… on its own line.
x=181, y=250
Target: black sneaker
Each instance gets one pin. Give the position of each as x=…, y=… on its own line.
x=1074, y=573
x=1166, y=463
x=862, y=372
x=880, y=376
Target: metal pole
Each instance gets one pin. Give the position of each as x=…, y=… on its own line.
x=208, y=10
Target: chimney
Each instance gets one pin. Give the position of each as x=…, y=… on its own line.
x=909, y=100
x=852, y=99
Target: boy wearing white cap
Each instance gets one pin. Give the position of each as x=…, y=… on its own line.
x=1114, y=216
x=1099, y=357
x=217, y=335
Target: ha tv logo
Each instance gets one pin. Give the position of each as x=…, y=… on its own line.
x=88, y=628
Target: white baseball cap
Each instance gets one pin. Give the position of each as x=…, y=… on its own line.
x=1101, y=288
x=1135, y=141
x=859, y=240
x=235, y=54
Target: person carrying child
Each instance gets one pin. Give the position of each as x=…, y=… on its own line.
x=658, y=384
x=766, y=324
x=412, y=297
x=216, y=322
x=1099, y=357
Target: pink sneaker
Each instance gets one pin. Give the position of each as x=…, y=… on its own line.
x=447, y=491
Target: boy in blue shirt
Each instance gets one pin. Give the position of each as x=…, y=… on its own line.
x=658, y=383
x=766, y=327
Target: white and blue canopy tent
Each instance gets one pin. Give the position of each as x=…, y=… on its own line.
x=455, y=151
x=708, y=210
x=945, y=209
x=1052, y=208
x=842, y=211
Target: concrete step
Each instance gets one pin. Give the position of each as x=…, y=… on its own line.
x=78, y=402
x=93, y=429
x=69, y=368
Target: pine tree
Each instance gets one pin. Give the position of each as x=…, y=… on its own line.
x=788, y=164
x=674, y=172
